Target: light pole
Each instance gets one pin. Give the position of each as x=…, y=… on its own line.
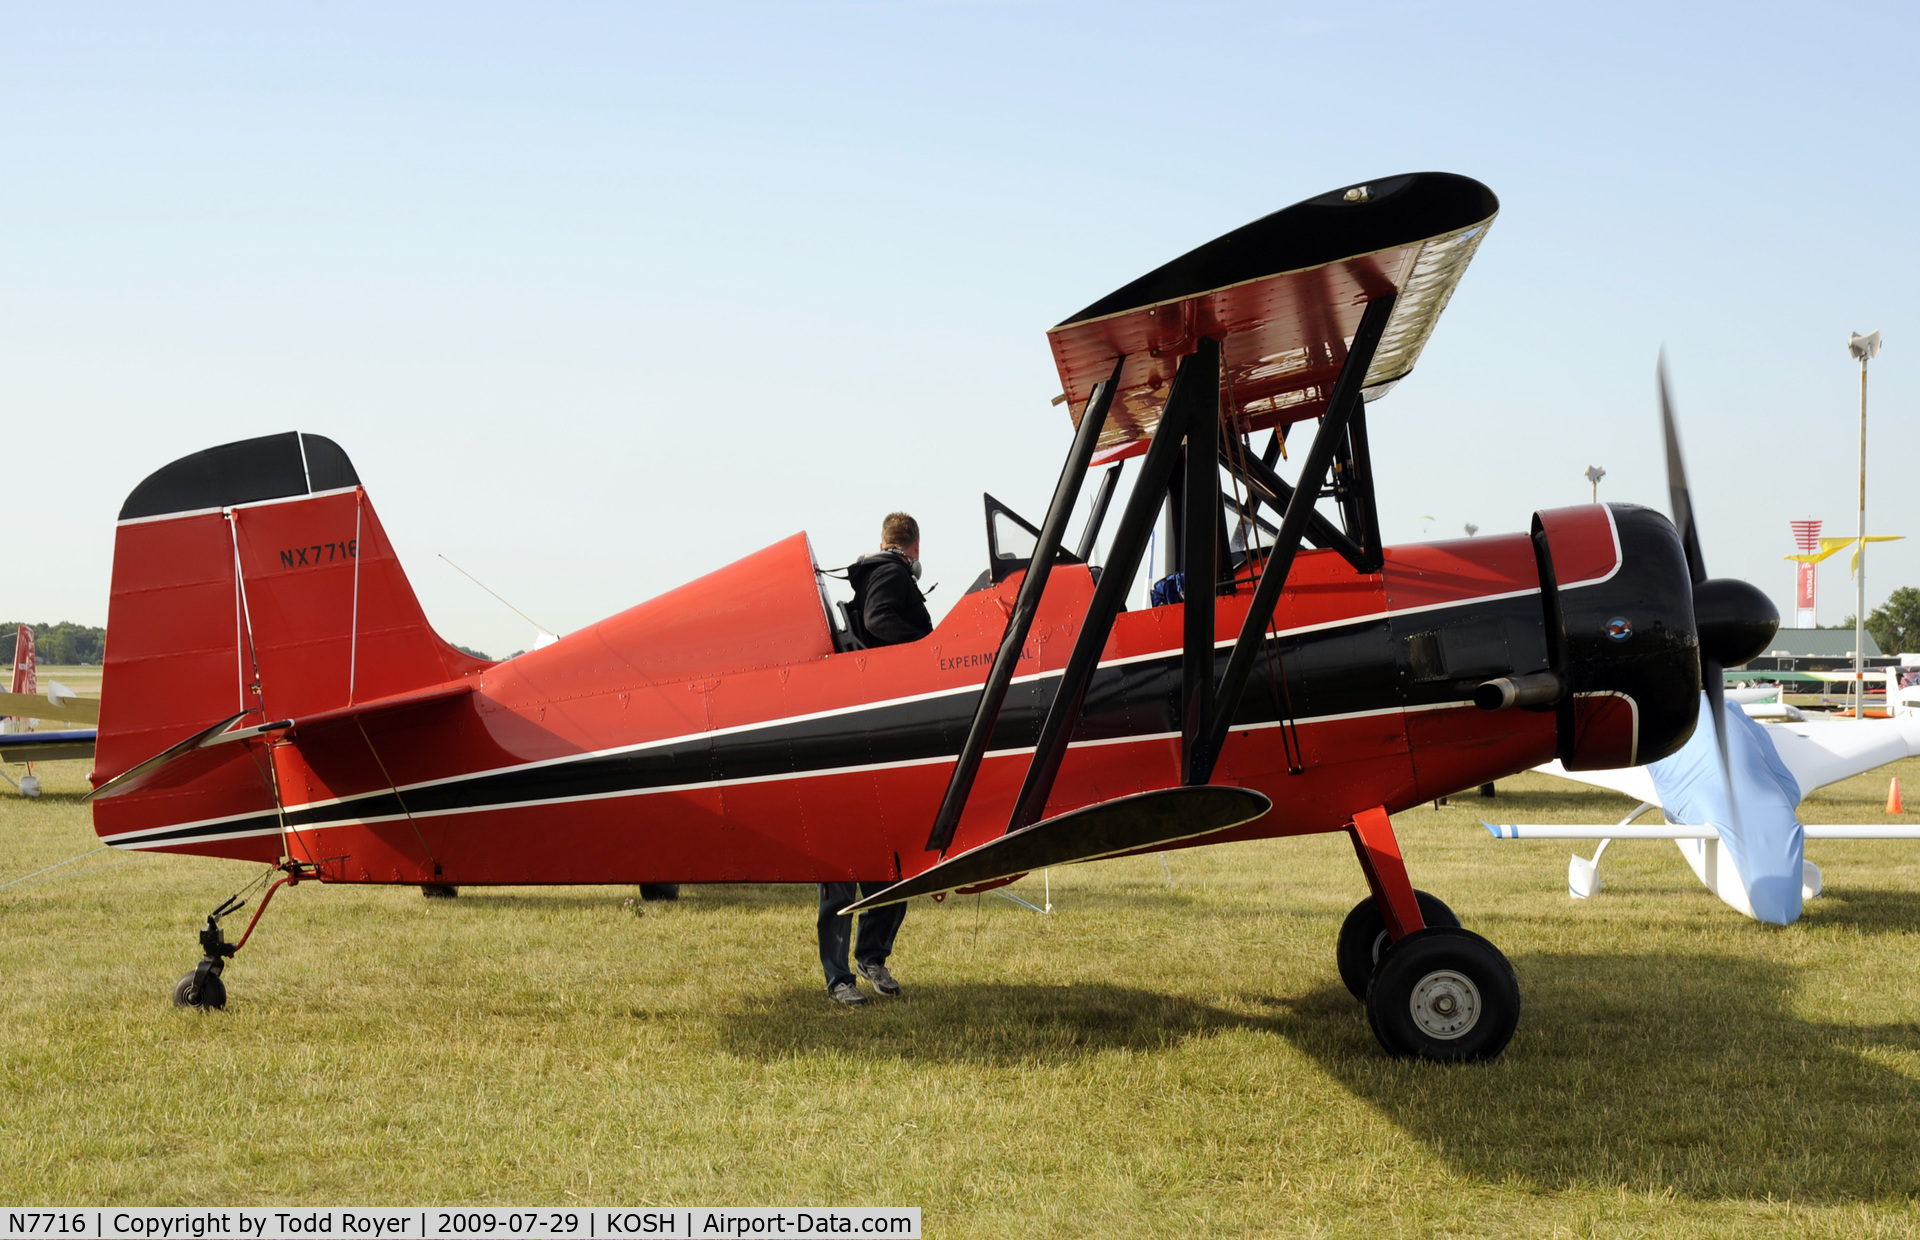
x=1865, y=348
x=1594, y=475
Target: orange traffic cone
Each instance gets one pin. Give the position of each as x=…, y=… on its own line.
x=1893, y=797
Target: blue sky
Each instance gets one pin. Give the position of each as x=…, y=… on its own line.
x=599, y=298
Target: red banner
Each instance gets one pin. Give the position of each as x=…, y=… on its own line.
x=24, y=679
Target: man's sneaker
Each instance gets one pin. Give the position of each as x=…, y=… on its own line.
x=849, y=994
x=881, y=979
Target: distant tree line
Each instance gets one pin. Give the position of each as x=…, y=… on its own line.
x=1895, y=625
x=68, y=643
x=65, y=642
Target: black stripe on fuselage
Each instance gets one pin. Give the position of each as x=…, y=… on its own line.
x=1343, y=670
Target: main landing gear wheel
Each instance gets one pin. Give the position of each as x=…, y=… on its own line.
x=653, y=892
x=1363, y=939
x=1446, y=995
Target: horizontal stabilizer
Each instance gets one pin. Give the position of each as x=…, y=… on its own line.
x=1673, y=831
x=168, y=766
x=1104, y=830
x=147, y=772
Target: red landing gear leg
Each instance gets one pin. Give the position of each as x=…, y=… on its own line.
x=1394, y=910
x=1379, y=854
x=1432, y=990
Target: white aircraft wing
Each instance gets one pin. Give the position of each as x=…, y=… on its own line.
x=43, y=706
x=1633, y=781
x=1823, y=753
x=1818, y=753
x=1674, y=831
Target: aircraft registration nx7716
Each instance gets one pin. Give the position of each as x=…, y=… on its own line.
x=273, y=691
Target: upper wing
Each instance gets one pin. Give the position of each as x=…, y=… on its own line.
x=1283, y=296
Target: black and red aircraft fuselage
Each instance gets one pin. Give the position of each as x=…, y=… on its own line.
x=274, y=693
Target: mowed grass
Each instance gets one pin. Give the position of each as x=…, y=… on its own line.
x=1152, y=1059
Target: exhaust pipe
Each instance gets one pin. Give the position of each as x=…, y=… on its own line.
x=1533, y=689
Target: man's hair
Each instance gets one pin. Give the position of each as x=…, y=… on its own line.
x=899, y=530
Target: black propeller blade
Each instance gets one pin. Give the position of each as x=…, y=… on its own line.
x=1678, y=495
x=1733, y=619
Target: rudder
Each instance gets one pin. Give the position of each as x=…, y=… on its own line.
x=253, y=577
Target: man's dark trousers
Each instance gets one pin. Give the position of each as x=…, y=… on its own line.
x=877, y=928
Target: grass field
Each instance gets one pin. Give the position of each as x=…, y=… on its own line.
x=1153, y=1059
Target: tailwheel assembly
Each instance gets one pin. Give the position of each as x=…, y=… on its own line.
x=1444, y=994
x=1364, y=939
x=202, y=987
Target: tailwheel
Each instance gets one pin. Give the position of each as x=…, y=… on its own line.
x=202, y=988
x=195, y=991
x=1364, y=940
x=1446, y=995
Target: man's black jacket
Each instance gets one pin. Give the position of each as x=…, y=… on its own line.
x=890, y=606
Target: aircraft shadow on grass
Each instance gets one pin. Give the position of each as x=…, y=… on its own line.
x=1690, y=1075
x=1001, y=1024
x=1686, y=1074
x=1871, y=910
x=48, y=797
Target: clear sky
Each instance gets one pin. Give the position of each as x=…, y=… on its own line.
x=600, y=297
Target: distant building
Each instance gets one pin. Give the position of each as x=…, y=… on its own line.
x=1817, y=650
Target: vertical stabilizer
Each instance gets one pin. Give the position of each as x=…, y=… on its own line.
x=252, y=579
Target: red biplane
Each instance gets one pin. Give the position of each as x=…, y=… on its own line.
x=273, y=692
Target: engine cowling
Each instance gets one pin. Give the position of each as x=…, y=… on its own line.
x=1621, y=633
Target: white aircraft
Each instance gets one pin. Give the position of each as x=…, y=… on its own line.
x=1737, y=828
x=1730, y=794
x=22, y=709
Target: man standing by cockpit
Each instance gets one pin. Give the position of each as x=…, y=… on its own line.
x=891, y=611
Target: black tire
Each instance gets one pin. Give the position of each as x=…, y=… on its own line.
x=213, y=993
x=1444, y=995
x=439, y=891
x=1363, y=939
x=651, y=892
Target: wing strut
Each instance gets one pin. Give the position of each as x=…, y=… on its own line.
x=1098, y=515
x=1195, y=388
x=1190, y=421
x=1269, y=488
x=1335, y=426
x=1092, y=420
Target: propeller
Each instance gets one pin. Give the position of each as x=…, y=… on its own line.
x=1733, y=618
